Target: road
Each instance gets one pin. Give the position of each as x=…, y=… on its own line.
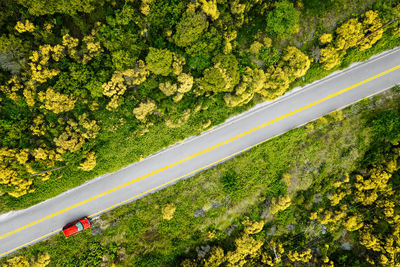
x=238, y=134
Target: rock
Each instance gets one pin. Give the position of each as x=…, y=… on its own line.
x=96, y=231
x=225, y=202
x=230, y=229
x=317, y=198
x=290, y=227
x=215, y=205
x=202, y=251
x=272, y=230
x=346, y=246
x=199, y=213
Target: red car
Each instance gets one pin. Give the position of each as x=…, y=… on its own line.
x=76, y=227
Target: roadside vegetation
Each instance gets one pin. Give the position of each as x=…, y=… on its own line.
x=325, y=193
x=88, y=87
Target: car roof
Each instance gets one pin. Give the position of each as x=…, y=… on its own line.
x=85, y=222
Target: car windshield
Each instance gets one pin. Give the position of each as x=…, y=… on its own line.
x=79, y=225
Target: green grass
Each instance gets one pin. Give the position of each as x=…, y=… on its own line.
x=240, y=186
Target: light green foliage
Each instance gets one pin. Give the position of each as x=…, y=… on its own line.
x=159, y=61
x=283, y=20
x=222, y=77
x=216, y=79
x=190, y=28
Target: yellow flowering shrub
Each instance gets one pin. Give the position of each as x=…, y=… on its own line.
x=186, y=83
x=56, y=102
x=216, y=257
x=25, y=26
x=246, y=247
x=372, y=28
x=168, y=211
x=252, y=228
x=70, y=43
x=326, y=38
x=167, y=88
x=295, y=63
x=12, y=87
x=281, y=203
x=89, y=162
x=210, y=8
x=93, y=48
x=354, y=223
x=349, y=34
x=304, y=256
x=143, y=110
x=330, y=57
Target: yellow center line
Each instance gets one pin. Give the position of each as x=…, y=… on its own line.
x=186, y=159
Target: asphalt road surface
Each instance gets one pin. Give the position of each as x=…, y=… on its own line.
x=238, y=134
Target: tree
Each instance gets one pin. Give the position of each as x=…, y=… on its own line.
x=89, y=163
x=210, y=8
x=216, y=79
x=325, y=38
x=330, y=57
x=295, y=62
x=159, y=61
x=144, y=109
x=283, y=20
x=190, y=28
x=56, y=102
x=276, y=83
x=349, y=34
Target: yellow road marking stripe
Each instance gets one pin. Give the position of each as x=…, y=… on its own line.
x=30, y=242
x=195, y=155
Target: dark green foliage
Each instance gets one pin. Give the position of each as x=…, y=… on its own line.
x=223, y=76
x=387, y=126
x=230, y=64
x=230, y=182
x=283, y=20
x=269, y=55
